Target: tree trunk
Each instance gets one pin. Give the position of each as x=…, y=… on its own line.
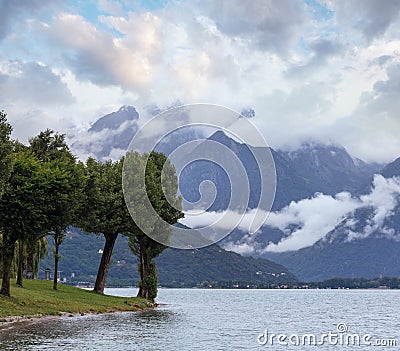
x=144, y=272
x=29, y=260
x=59, y=236
x=8, y=255
x=20, y=263
x=56, y=259
x=105, y=263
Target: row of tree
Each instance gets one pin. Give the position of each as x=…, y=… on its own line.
x=44, y=189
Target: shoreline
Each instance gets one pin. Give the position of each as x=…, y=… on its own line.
x=37, y=300
x=11, y=322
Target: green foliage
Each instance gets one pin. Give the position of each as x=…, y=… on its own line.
x=65, y=179
x=24, y=205
x=159, y=187
x=64, y=187
x=162, y=186
x=49, y=146
x=150, y=281
x=36, y=250
x=42, y=194
x=5, y=150
x=105, y=210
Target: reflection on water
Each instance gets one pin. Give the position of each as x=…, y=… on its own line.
x=94, y=332
x=212, y=320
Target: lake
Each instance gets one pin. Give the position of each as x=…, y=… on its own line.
x=197, y=319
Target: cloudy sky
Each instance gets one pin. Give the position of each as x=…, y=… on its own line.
x=325, y=70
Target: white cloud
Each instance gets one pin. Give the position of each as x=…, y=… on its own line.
x=12, y=11
x=242, y=248
x=384, y=198
x=307, y=75
x=35, y=97
x=104, y=142
x=265, y=24
x=103, y=59
x=371, y=131
x=221, y=220
x=311, y=218
x=111, y=6
x=306, y=221
x=371, y=18
x=32, y=83
x=315, y=218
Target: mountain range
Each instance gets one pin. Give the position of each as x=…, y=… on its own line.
x=333, y=214
x=81, y=253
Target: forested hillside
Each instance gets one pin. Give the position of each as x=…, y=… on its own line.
x=80, y=256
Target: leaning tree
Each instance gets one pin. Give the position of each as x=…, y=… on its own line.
x=160, y=187
x=105, y=210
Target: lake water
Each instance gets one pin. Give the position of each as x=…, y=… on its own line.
x=193, y=319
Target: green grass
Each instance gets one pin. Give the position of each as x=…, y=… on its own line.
x=37, y=298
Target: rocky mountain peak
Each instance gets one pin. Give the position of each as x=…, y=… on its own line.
x=114, y=120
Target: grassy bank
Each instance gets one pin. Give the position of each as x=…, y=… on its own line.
x=37, y=298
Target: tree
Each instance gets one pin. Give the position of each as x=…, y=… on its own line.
x=36, y=250
x=42, y=195
x=105, y=210
x=23, y=208
x=21, y=254
x=65, y=193
x=5, y=150
x=48, y=146
x=28, y=253
x=160, y=184
x=64, y=186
